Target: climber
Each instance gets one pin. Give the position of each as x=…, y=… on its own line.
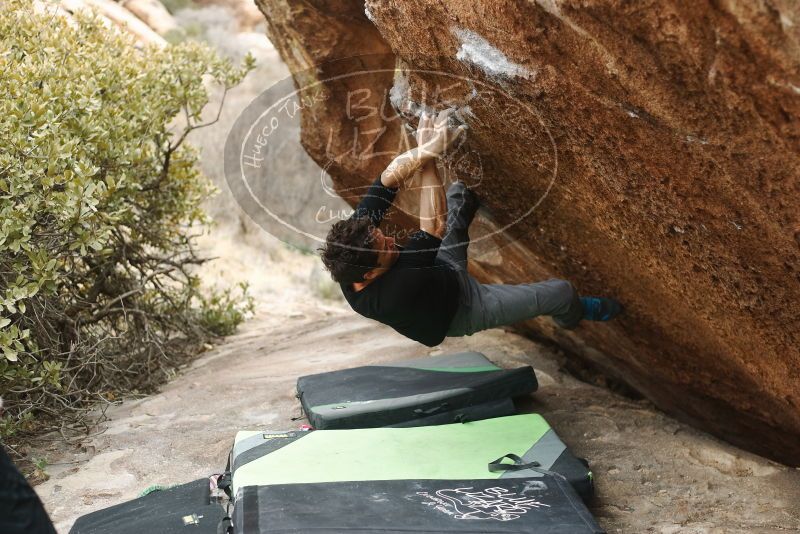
x=423, y=290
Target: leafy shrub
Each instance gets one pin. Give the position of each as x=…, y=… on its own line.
x=100, y=201
x=222, y=311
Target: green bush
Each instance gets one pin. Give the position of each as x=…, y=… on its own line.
x=100, y=200
x=173, y=6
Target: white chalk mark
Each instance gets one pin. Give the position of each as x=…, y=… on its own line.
x=398, y=94
x=782, y=83
x=369, y=14
x=478, y=51
x=693, y=139
x=400, y=97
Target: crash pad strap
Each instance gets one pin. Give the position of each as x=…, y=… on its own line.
x=518, y=465
x=521, y=465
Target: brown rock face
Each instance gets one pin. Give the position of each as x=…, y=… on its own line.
x=646, y=150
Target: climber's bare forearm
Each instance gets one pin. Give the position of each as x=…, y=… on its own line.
x=432, y=202
x=403, y=168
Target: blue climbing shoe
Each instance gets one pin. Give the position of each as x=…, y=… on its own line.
x=600, y=308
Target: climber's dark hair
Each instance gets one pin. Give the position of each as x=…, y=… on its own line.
x=347, y=252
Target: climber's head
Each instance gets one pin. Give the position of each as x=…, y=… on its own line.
x=355, y=251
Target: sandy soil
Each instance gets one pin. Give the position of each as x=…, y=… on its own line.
x=653, y=474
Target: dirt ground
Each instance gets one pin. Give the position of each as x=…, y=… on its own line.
x=653, y=474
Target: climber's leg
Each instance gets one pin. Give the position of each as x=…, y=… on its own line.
x=492, y=305
x=461, y=207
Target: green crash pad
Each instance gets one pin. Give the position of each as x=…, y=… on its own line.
x=431, y=479
x=461, y=452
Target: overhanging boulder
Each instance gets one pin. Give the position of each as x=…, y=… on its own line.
x=650, y=152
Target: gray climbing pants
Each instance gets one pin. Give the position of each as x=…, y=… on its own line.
x=483, y=306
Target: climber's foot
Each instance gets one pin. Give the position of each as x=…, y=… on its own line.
x=600, y=308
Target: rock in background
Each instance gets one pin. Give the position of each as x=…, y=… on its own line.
x=112, y=15
x=153, y=13
x=646, y=150
x=245, y=11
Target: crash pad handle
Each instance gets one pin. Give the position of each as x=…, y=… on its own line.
x=518, y=465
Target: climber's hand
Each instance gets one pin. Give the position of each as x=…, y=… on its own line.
x=404, y=167
x=443, y=136
x=425, y=129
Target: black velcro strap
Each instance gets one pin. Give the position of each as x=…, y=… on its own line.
x=225, y=526
x=224, y=482
x=303, y=414
x=518, y=465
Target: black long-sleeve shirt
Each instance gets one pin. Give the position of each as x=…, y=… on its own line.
x=418, y=295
